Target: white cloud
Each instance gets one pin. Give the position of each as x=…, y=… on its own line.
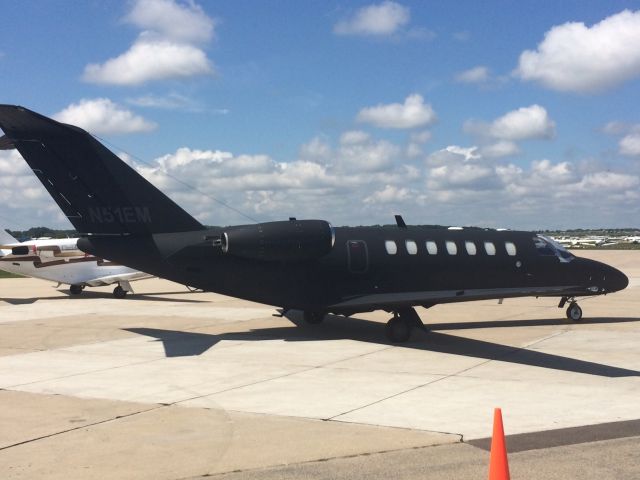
x=463, y=175
x=524, y=123
x=421, y=137
x=165, y=49
x=616, y=128
x=149, y=60
x=503, y=148
x=102, y=116
x=382, y=19
x=462, y=187
x=521, y=124
x=453, y=153
x=354, y=136
x=389, y=194
x=544, y=172
x=183, y=22
x=359, y=152
x=173, y=101
x=574, y=57
x=413, y=113
x=457, y=185
x=630, y=144
x=316, y=150
x=479, y=74
x=608, y=182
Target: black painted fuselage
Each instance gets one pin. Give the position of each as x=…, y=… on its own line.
x=370, y=268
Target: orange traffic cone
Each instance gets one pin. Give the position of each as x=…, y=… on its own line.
x=498, y=463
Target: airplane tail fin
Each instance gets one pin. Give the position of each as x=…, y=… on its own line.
x=6, y=237
x=99, y=193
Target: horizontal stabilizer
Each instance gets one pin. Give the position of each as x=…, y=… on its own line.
x=98, y=192
x=6, y=143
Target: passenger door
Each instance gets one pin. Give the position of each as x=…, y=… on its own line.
x=357, y=256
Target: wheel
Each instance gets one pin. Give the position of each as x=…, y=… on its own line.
x=119, y=292
x=75, y=289
x=313, y=318
x=574, y=312
x=398, y=331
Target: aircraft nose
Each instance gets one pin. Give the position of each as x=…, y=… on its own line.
x=615, y=280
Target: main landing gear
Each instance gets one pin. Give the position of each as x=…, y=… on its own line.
x=122, y=289
x=119, y=292
x=76, y=289
x=400, y=326
x=574, y=312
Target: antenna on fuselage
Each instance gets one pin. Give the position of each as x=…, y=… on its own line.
x=400, y=222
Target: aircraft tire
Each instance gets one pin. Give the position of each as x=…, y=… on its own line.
x=75, y=289
x=119, y=292
x=313, y=318
x=574, y=312
x=397, y=330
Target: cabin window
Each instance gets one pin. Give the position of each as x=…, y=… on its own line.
x=412, y=247
x=511, y=248
x=432, y=247
x=543, y=247
x=546, y=246
x=490, y=248
x=452, y=248
x=471, y=248
x=391, y=247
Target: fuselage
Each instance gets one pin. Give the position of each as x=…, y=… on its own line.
x=384, y=265
x=60, y=260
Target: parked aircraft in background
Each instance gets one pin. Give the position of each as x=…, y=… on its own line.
x=594, y=241
x=60, y=260
x=294, y=264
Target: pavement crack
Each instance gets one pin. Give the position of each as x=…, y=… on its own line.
x=455, y=374
x=80, y=427
x=277, y=377
x=315, y=460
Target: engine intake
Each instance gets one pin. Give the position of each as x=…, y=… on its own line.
x=288, y=241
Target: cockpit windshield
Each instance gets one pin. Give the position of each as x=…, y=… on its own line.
x=549, y=247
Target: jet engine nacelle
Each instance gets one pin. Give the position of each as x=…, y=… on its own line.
x=288, y=241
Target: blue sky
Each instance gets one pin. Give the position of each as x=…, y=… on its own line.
x=505, y=114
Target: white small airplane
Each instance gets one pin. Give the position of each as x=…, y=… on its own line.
x=60, y=260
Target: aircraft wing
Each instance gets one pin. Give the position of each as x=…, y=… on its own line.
x=388, y=301
x=110, y=279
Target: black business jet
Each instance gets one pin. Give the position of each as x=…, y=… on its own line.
x=305, y=265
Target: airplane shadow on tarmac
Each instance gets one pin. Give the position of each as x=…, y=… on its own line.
x=183, y=343
x=86, y=295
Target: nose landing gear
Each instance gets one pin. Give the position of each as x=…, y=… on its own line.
x=574, y=312
x=400, y=326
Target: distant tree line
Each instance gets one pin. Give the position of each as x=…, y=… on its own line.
x=38, y=232
x=579, y=232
